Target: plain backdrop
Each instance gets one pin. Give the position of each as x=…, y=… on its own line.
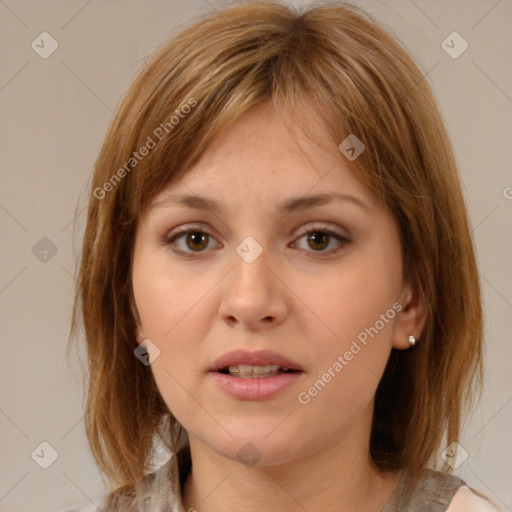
x=54, y=115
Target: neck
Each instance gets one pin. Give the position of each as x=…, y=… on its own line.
x=340, y=477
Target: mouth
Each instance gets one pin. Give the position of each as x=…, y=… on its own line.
x=250, y=365
x=257, y=375
x=247, y=371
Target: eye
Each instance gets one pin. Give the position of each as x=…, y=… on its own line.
x=189, y=240
x=319, y=238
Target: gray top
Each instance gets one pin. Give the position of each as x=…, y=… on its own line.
x=433, y=493
x=160, y=492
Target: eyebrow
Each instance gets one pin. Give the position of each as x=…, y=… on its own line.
x=291, y=205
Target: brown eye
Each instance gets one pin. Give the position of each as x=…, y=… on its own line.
x=197, y=240
x=318, y=240
x=189, y=241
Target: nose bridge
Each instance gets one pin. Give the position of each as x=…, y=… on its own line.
x=250, y=262
x=252, y=294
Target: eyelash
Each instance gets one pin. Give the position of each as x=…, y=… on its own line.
x=170, y=239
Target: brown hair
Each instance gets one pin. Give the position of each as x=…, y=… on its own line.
x=336, y=58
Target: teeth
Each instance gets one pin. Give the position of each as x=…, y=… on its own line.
x=247, y=368
x=249, y=371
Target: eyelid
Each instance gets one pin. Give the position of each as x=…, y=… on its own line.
x=317, y=226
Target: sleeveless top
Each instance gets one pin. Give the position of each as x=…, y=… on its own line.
x=160, y=492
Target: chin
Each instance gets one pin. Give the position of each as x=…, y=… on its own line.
x=259, y=450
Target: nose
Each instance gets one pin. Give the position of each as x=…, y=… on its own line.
x=254, y=296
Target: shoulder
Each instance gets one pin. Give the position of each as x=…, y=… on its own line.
x=158, y=490
x=465, y=500
x=437, y=491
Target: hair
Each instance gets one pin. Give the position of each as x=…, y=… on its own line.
x=332, y=62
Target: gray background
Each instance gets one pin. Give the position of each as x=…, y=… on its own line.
x=54, y=115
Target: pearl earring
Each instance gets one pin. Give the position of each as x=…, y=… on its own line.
x=412, y=341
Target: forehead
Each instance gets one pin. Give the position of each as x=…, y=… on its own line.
x=261, y=156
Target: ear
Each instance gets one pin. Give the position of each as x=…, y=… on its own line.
x=139, y=331
x=412, y=318
x=139, y=334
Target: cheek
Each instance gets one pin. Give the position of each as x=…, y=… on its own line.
x=352, y=300
x=175, y=311
x=348, y=366
x=167, y=305
x=164, y=297
x=357, y=306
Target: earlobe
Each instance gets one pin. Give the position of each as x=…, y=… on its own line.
x=411, y=320
x=139, y=334
x=139, y=331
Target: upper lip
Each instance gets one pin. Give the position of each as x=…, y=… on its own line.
x=256, y=358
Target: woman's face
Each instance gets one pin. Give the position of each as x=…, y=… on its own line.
x=315, y=287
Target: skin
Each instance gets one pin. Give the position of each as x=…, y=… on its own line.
x=293, y=299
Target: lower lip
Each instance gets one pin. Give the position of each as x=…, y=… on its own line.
x=255, y=388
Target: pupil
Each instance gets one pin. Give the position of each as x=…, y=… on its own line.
x=197, y=236
x=322, y=239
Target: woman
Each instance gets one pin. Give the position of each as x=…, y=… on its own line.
x=278, y=280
